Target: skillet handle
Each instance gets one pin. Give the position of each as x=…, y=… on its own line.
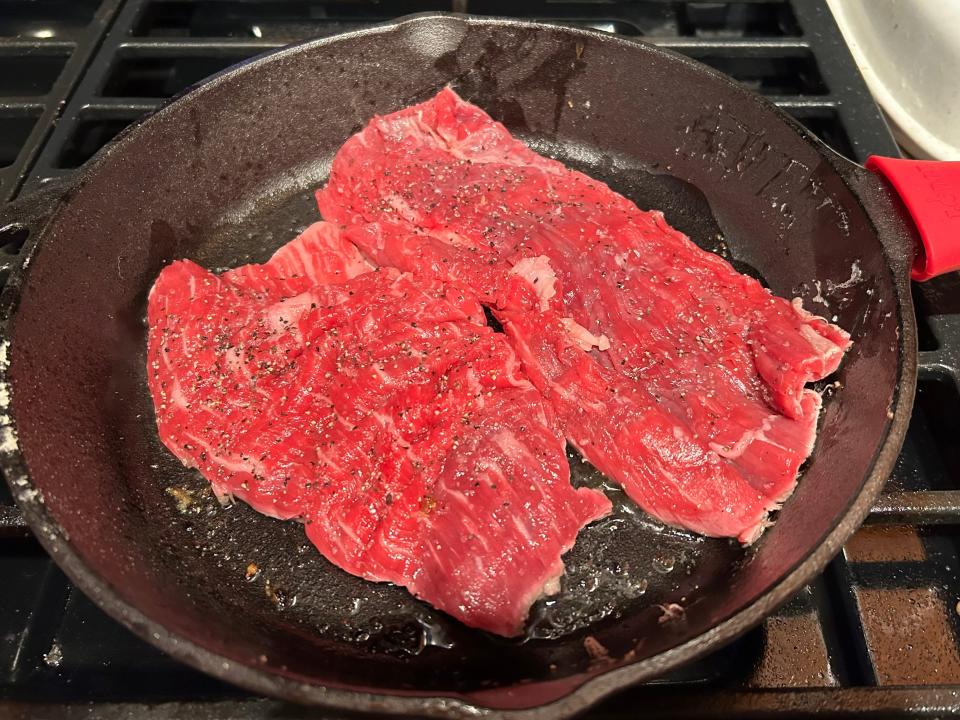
x=930, y=191
x=27, y=216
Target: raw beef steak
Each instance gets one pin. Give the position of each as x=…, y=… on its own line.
x=377, y=408
x=722, y=362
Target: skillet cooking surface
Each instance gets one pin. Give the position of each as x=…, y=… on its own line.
x=224, y=176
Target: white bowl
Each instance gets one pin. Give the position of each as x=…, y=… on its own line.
x=909, y=54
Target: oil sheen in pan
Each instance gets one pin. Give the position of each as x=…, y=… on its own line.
x=625, y=562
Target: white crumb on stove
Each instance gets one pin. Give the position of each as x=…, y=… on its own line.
x=54, y=656
x=8, y=436
x=29, y=495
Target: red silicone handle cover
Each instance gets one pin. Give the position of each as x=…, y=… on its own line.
x=930, y=190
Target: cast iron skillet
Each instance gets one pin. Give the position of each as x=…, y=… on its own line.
x=223, y=176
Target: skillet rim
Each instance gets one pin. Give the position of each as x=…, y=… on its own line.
x=55, y=541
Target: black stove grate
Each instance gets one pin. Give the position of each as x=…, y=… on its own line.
x=876, y=634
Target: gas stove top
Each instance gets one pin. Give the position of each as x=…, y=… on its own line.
x=877, y=633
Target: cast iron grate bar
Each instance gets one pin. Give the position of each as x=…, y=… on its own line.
x=44, y=49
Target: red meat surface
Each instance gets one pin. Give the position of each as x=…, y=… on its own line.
x=379, y=409
x=711, y=419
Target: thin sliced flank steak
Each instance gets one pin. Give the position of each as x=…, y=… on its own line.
x=675, y=375
x=379, y=409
